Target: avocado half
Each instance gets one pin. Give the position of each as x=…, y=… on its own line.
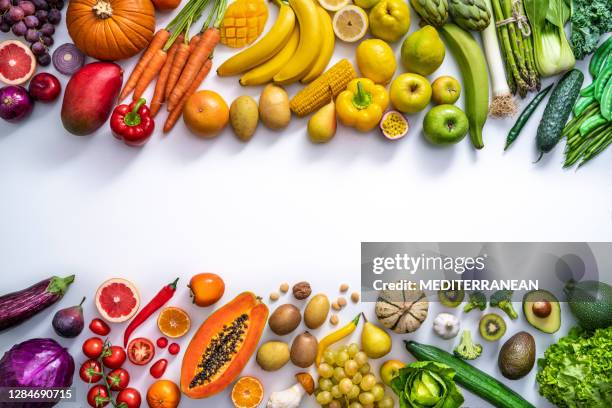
x=548, y=324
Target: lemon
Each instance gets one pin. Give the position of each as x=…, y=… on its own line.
x=376, y=60
x=334, y=5
x=350, y=23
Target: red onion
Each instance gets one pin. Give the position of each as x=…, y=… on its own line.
x=15, y=103
x=68, y=59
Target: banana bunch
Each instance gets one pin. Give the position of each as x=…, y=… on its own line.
x=298, y=47
x=470, y=14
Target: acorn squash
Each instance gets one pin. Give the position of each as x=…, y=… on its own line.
x=222, y=346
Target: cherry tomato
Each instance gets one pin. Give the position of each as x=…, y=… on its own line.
x=97, y=396
x=93, y=347
x=118, y=379
x=130, y=397
x=174, y=349
x=159, y=368
x=115, y=357
x=91, y=371
x=140, y=351
x=99, y=327
x=162, y=342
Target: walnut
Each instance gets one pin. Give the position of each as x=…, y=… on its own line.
x=302, y=290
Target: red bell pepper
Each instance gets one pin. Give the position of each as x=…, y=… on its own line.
x=132, y=123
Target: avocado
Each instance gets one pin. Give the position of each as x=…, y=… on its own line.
x=542, y=310
x=492, y=327
x=591, y=303
x=517, y=356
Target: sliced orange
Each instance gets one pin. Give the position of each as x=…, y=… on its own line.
x=173, y=322
x=247, y=392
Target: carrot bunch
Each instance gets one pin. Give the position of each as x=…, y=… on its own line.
x=179, y=63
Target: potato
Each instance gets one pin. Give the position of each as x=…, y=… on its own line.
x=244, y=117
x=316, y=311
x=285, y=319
x=273, y=355
x=274, y=107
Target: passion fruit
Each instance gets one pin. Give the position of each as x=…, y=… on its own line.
x=394, y=125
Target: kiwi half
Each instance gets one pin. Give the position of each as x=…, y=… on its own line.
x=451, y=298
x=492, y=327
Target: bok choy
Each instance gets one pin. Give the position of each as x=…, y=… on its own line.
x=552, y=51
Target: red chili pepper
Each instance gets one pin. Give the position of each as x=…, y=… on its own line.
x=158, y=301
x=132, y=123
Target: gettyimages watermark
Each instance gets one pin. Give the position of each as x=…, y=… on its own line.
x=402, y=268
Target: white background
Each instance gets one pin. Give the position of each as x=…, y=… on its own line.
x=272, y=210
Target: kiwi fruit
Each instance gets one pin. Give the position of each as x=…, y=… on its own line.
x=451, y=298
x=492, y=327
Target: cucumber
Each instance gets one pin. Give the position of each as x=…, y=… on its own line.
x=558, y=110
x=599, y=58
x=476, y=381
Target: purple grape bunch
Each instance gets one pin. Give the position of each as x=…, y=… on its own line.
x=35, y=20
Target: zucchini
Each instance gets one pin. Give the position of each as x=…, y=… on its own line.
x=558, y=110
x=473, y=379
x=17, y=307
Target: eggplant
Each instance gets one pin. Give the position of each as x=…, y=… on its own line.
x=17, y=307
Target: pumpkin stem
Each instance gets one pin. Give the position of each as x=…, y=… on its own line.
x=103, y=9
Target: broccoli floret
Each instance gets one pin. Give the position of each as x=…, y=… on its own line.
x=467, y=349
x=503, y=300
x=477, y=300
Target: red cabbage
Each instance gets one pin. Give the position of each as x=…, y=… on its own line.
x=40, y=363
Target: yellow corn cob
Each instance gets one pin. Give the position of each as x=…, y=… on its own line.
x=319, y=92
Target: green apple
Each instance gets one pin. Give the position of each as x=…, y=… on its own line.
x=365, y=4
x=445, y=90
x=445, y=124
x=410, y=93
x=389, y=370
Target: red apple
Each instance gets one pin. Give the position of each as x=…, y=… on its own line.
x=45, y=87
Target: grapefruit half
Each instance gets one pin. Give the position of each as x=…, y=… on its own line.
x=117, y=300
x=17, y=62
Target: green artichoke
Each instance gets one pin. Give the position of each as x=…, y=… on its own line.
x=470, y=14
x=433, y=12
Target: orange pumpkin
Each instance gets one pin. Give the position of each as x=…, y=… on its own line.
x=111, y=30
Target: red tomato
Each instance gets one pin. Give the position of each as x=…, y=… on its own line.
x=159, y=368
x=140, y=351
x=99, y=327
x=115, y=357
x=174, y=349
x=97, y=396
x=91, y=371
x=162, y=342
x=93, y=347
x=130, y=397
x=118, y=379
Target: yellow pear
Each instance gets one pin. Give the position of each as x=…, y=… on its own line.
x=423, y=51
x=375, y=342
x=322, y=125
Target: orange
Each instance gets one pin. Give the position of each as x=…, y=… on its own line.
x=163, y=394
x=247, y=393
x=173, y=322
x=206, y=114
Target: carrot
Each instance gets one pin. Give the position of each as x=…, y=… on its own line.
x=179, y=63
x=156, y=44
x=178, y=109
x=206, y=45
x=150, y=72
x=160, y=87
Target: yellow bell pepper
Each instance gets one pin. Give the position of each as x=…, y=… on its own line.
x=362, y=104
x=243, y=22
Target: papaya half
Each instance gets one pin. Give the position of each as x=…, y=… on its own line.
x=222, y=346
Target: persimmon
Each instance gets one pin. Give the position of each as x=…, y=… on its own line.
x=206, y=288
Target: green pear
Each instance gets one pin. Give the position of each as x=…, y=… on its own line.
x=375, y=342
x=322, y=125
